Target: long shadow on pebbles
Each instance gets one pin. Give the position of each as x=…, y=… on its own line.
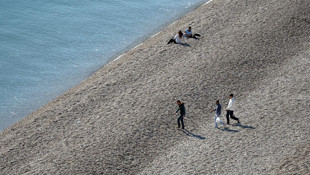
x=237, y=125
x=229, y=130
x=188, y=133
x=243, y=126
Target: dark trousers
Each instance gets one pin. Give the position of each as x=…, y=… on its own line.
x=231, y=115
x=196, y=34
x=180, y=120
x=172, y=41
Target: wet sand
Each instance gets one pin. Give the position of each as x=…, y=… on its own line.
x=121, y=120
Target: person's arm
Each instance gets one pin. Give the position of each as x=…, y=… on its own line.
x=177, y=110
x=213, y=110
x=186, y=34
x=229, y=105
x=176, y=36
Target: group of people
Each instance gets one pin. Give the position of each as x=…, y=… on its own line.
x=218, y=110
x=179, y=37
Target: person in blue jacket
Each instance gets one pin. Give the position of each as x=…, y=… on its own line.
x=217, y=115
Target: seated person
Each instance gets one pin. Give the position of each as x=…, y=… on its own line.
x=178, y=39
x=188, y=33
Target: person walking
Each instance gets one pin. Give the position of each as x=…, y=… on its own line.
x=230, y=109
x=217, y=115
x=182, y=114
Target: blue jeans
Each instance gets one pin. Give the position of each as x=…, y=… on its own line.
x=219, y=120
x=180, y=119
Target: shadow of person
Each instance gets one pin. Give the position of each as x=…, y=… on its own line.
x=243, y=126
x=185, y=44
x=188, y=133
x=195, y=38
x=229, y=130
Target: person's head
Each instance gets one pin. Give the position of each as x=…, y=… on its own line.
x=217, y=102
x=189, y=28
x=231, y=95
x=179, y=102
x=180, y=33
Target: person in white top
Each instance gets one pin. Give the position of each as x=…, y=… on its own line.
x=230, y=109
x=178, y=39
x=188, y=33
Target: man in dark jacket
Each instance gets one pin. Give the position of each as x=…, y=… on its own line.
x=182, y=113
x=218, y=111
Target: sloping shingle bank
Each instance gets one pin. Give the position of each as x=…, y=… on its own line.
x=121, y=121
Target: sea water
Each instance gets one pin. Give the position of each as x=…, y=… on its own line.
x=49, y=46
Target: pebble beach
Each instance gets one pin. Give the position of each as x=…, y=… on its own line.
x=121, y=119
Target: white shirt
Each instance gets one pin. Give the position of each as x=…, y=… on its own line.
x=231, y=104
x=178, y=39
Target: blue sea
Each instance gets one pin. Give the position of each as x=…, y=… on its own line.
x=49, y=46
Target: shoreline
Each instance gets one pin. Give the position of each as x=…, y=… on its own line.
x=157, y=33
x=116, y=56
x=153, y=33
x=120, y=120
